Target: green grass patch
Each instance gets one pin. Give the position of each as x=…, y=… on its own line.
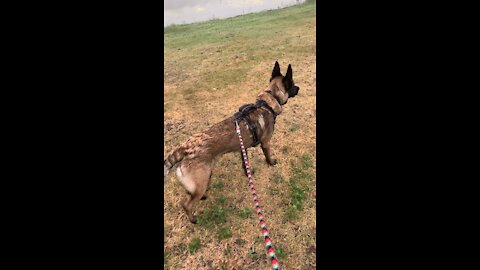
x=224, y=233
x=306, y=161
x=299, y=186
x=219, y=33
x=291, y=213
x=297, y=193
x=221, y=199
x=293, y=128
x=244, y=213
x=278, y=177
x=240, y=241
x=280, y=252
x=218, y=185
x=212, y=216
x=194, y=245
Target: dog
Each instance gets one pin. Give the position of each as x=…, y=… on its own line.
x=196, y=157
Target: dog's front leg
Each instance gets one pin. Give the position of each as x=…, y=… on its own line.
x=268, y=152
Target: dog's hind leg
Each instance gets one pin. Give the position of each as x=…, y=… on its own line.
x=189, y=204
x=205, y=196
x=195, y=181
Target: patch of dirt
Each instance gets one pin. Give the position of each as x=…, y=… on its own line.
x=174, y=126
x=311, y=250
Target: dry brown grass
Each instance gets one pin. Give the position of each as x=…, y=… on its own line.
x=210, y=70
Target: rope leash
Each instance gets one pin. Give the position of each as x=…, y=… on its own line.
x=268, y=242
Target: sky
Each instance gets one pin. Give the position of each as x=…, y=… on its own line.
x=188, y=11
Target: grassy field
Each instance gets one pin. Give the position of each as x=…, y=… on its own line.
x=211, y=69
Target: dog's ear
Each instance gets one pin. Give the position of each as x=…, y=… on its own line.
x=276, y=71
x=289, y=75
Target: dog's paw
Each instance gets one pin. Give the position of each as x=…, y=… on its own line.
x=272, y=162
x=193, y=220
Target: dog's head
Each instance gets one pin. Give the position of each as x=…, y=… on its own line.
x=282, y=87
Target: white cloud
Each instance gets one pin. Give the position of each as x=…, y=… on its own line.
x=200, y=9
x=243, y=3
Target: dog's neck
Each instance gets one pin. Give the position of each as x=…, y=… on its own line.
x=271, y=101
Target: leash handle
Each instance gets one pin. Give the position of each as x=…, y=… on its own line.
x=263, y=226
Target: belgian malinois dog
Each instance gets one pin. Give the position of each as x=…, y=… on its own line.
x=196, y=157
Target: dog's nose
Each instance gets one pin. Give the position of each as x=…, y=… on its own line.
x=295, y=91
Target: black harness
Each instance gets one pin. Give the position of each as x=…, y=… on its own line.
x=243, y=112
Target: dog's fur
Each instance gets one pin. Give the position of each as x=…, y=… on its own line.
x=196, y=156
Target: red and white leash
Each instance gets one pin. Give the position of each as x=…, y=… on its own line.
x=263, y=226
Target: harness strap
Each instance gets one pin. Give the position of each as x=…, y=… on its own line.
x=243, y=112
x=263, y=103
x=243, y=115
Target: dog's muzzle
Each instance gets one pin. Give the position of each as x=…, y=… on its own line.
x=293, y=91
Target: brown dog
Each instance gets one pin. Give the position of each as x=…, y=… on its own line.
x=197, y=154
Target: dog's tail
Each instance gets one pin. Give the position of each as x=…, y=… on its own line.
x=173, y=158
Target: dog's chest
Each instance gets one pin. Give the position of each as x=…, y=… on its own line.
x=261, y=122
